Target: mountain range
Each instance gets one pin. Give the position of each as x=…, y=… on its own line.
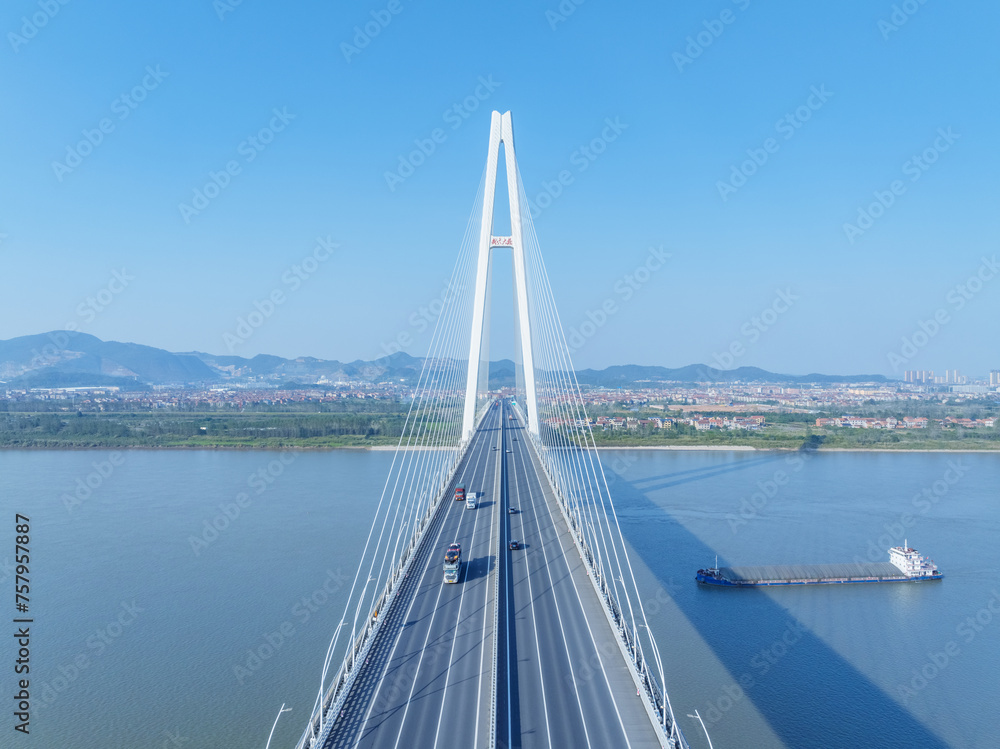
x=72, y=359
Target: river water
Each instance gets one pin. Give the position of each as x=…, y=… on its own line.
x=180, y=597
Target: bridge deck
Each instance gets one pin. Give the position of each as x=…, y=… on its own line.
x=428, y=679
x=573, y=685
x=562, y=681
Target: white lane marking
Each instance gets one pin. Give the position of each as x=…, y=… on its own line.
x=552, y=588
x=420, y=660
x=586, y=620
x=455, y=631
x=388, y=663
x=534, y=620
x=494, y=524
x=509, y=606
x=427, y=637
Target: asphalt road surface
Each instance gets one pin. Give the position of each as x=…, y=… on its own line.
x=561, y=679
x=429, y=677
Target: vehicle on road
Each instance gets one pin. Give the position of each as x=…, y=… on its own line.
x=452, y=563
x=512, y=510
x=460, y=493
x=513, y=546
x=510, y=451
x=470, y=503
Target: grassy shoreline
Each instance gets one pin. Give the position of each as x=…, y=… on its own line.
x=378, y=426
x=362, y=444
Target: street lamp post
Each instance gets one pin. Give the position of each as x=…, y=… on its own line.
x=696, y=715
x=282, y=710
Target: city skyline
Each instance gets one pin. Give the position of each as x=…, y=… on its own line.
x=838, y=219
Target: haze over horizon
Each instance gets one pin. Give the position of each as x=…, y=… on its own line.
x=48, y=343
x=801, y=189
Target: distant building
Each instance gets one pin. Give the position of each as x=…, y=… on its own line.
x=970, y=389
x=950, y=377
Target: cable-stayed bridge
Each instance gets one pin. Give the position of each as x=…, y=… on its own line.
x=543, y=641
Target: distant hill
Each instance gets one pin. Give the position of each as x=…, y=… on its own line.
x=65, y=359
x=68, y=359
x=81, y=359
x=632, y=374
x=502, y=374
x=399, y=366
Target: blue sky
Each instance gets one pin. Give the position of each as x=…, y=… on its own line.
x=698, y=91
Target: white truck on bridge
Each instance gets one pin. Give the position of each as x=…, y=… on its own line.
x=453, y=563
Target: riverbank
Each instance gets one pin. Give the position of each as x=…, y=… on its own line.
x=378, y=425
x=206, y=444
x=744, y=448
x=391, y=448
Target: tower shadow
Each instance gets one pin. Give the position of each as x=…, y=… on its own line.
x=738, y=625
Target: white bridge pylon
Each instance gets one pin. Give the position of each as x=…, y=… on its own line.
x=501, y=131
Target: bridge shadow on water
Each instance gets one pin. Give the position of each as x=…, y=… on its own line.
x=810, y=695
x=665, y=481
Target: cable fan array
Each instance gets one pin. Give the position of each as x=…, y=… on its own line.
x=427, y=455
x=430, y=450
x=566, y=447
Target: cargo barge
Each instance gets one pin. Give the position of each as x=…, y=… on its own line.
x=905, y=565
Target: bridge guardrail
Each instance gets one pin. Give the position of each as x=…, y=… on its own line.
x=318, y=727
x=656, y=704
x=340, y=688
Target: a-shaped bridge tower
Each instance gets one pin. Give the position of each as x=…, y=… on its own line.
x=501, y=131
x=544, y=640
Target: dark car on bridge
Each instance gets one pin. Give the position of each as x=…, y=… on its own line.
x=513, y=546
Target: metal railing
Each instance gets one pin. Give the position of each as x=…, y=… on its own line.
x=323, y=719
x=657, y=704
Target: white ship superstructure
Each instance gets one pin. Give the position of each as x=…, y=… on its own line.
x=910, y=562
